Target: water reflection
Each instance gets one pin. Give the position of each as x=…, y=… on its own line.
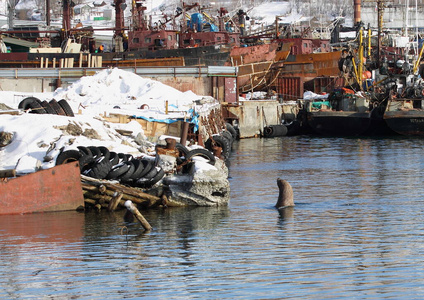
x=356, y=232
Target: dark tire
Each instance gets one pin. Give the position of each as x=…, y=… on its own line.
x=275, y=131
x=68, y=156
x=159, y=176
x=183, y=150
x=66, y=108
x=127, y=175
x=129, y=157
x=24, y=104
x=100, y=169
x=221, y=142
x=117, y=170
x=47, y=108
x=86, y=159
x=57, y=108
x=36, y=107
x=145, y=183
x=122, y=157
x=232, y=130
x=147, y=166
x=226, y=134
x=95, y=151
x=139, y=167
x=152, y=173
x=85, y=150
x=113, y=157
x=104, y=151
x=203, y=153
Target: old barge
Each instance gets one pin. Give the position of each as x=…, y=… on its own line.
x=55, y=189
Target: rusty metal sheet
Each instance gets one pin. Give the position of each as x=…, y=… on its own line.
x=291, y=88
x=55, y=189
x=231, y=93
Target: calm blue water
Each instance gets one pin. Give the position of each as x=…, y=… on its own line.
x=356, y=232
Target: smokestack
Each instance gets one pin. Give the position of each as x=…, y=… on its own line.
x=357, y=11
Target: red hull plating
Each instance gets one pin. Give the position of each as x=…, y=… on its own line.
x=55, y=189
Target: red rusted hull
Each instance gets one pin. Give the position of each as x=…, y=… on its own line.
x=256, y=65
x=55, y=189
x=252, y=54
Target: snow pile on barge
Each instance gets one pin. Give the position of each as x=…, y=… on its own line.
x=116, y=152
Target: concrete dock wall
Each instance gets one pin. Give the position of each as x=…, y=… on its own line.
x=254, y=115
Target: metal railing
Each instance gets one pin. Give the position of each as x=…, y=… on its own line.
x=73, y=73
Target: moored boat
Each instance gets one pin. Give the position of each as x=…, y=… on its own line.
x=405, y=116
x=342, y=114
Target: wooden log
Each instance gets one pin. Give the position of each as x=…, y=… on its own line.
x=102, y=189
x=93, y=192
x=7, y=173
x=113, y=204
x=89, y=187
x=129, y=197
x=101, y=198
x=98, y=207
x=90, y=201
x=131, y=207
x=121, y=188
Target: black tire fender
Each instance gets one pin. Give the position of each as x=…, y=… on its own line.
x=95, y=151
x=202, y=153
x=145, y=183
x=221, y=142
x=104, y=151
x=226, y=134
x=86, y=159
x=183, y=150
x=122, y=157
x=117, y=170
x=128, y=173
x=159, y=176
x=232, y=130
x=152, y=173
x=113, y=157
x=147, y=166
x=139, y=167
x=100, y=168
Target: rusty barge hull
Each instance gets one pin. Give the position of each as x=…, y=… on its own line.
x=55, y=189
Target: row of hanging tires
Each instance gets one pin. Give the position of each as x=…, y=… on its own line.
x=100, y=163
x=225, y=140
x=53, y=107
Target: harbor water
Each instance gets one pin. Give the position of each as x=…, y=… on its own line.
x=357, y=232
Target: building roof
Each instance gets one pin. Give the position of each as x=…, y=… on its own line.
x=19, y=42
